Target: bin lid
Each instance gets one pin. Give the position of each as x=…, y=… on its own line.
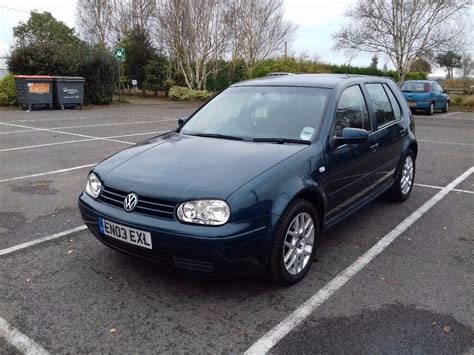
x=42, y=77
x=69, y=78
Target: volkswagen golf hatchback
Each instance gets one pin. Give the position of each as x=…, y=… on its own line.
x=251, y=179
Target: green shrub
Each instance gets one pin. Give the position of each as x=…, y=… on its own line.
x=457, y=101
x=180, y=93
x=7, y=91
x=416, y=75
x=98, y=67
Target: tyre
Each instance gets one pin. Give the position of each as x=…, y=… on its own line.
x=446, y=107
x=430, y=110
x=294, y=243
x=401, y=189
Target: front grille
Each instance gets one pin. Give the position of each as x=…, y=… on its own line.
x=146, y=205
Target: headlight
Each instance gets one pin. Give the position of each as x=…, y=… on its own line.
x=93, y=185
x=211, y=212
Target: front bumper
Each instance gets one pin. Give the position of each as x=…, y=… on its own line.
x=234, y=248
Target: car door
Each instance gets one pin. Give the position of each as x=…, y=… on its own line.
x=389, y=132
x=441, y=96
x=349, y=167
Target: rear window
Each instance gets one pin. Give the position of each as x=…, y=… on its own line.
x=411, y=86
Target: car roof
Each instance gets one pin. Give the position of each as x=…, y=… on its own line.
x=310, y=80
x=419, y=81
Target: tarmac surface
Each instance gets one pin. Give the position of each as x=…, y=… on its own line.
x=74, y=295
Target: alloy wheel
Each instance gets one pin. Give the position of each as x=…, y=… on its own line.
x=407, y=175
x=299, y=242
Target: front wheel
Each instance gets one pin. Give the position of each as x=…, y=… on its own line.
x=400, y=191
x=294, y=244
x=446, y=107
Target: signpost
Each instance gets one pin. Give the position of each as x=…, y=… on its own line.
x=120, y=58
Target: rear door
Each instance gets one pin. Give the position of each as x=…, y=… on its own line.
x=389, y=132
x=349, y=167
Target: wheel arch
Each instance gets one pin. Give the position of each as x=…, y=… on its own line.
x=314, y=197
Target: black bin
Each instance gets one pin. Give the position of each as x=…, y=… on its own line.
x=34, y=90
x=68, y=91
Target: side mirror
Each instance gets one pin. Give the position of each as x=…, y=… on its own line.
x=352, y=136
x=182, y=121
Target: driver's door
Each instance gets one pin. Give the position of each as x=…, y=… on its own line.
x=349, y=166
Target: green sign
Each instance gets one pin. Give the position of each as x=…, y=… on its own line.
x=120, y=55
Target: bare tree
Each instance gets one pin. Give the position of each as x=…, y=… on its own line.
x=259, y=28
x=108, y=20
x=195, y=36
x=94, y=19
x=402, y=29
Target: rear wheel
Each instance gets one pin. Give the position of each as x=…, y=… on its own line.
x=294, y=244
x=400, y=191
x=430, y=110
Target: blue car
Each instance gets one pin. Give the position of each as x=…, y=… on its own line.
x=250, y=180
x=425, y=95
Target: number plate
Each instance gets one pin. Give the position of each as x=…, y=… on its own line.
x=412, y=103
x=125, y=234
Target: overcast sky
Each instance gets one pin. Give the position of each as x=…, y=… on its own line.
x=316, y=20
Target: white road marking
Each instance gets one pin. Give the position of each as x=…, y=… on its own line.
x=48, y=173
x=78, y=141
x=107, y=124
x=66, y=133
x=42, y=240
x=20, y=341
x=440, y=188
x=442, y=142
x=22, y=131
x=265, y=343
x=448, y=114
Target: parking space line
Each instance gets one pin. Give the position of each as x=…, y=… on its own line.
x=66, y=133
x=20, y=341
x=42, y=240
x=21, y=131
x=78, y=141
x=448, y=114
x=48, y=173
x=440, y=188
x=107, y=124
x=442, y=142
x=265, y=343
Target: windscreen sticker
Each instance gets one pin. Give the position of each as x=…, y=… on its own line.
x=307, y=133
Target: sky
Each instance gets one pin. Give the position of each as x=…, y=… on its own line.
x=317, y=20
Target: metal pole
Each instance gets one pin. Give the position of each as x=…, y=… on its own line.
x=120, y=95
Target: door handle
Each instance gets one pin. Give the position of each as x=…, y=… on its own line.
x=374, y=147
x=403, y=131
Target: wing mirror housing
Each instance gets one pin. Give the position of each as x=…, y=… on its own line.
x=352, y=136
x=182, y=121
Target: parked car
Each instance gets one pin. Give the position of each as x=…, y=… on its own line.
x=251, y=179
x=425, y=95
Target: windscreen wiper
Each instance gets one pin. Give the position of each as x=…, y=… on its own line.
x=281, y=140
x=216, y=135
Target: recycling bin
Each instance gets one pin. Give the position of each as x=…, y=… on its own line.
x=34, y=90
x=68, y=92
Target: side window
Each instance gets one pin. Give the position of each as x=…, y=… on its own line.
x=351, y=110
x=381, y=103
x=438, y=87
x=397, y=111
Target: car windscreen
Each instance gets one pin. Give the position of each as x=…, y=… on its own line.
x=412, y=86
x=253, y=112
